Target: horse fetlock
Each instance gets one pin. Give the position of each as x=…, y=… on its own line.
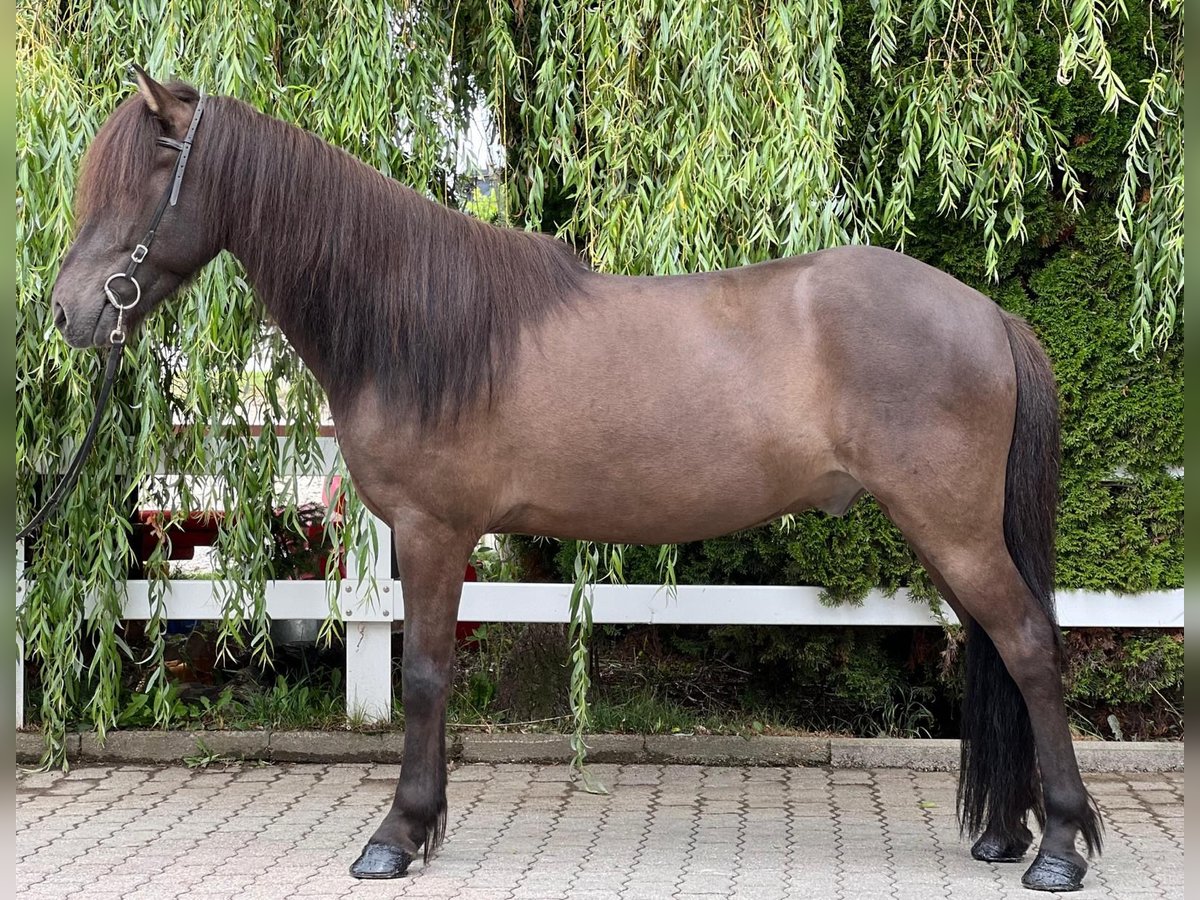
x=1068, y=814
x=426, y=825
x=415, y=822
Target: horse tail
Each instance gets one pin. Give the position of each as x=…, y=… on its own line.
x=999, y=782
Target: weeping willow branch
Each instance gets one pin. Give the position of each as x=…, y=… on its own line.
x=381, y=93
x=1150, y=202
x=579, y=635
x=653, y=141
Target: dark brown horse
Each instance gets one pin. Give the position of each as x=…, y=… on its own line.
x=484, y=380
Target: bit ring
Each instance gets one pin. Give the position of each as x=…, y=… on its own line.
x=114, y=299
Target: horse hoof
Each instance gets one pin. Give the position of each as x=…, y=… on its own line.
x=381, y=861
x=989, y=849
x=1054, y=873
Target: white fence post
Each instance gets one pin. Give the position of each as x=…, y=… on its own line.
x=369, y=671
x=20, y=679
x=369, y=637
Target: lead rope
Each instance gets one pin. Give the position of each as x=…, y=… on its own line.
x=117, y=339
x=117, y=336
x=72, y=475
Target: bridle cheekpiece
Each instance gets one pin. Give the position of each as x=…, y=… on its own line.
x=170, y=198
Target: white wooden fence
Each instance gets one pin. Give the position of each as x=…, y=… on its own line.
x=368, y=619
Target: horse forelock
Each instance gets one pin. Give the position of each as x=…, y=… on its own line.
x=116, y=169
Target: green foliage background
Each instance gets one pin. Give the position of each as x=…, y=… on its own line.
x=1033, y=149
x=1121, y=519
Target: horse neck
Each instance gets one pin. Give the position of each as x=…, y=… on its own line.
x=373, y=283
x=314, y=229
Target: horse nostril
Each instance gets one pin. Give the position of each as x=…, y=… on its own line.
x=60, y=316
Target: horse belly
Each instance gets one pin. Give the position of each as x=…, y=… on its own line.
x=684, y=410
x=653, y=494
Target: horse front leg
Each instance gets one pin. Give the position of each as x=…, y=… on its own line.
x=431, y=572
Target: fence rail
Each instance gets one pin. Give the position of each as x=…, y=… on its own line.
x=369, y=616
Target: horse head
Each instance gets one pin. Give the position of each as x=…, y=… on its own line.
x=141, y=232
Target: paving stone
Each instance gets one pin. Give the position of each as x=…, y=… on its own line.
x=520, y=832
x=478, y=748
x=927, y=755
x=148, y=746
x=1129, y=756
x=30, y=745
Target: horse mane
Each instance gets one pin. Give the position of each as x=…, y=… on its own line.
x=382, y=285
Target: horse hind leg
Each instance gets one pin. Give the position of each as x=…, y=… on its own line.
x=1005, y=834
x=982, y=519
x=1017, y=755
x=1017, y=750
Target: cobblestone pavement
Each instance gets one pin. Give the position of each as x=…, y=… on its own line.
x=524, y=831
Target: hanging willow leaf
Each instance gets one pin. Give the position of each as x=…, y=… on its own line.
x=652, y=140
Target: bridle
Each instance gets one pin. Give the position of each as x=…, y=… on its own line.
x=170, y=198
x=117, y=336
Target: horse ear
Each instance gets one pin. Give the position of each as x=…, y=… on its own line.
x=165, y=105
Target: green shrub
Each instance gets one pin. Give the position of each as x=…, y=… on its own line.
x=1121, y=516
x=1126, y=684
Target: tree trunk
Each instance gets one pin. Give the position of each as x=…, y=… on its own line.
x=535, y=678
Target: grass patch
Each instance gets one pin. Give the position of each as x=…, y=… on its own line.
x=659, y=680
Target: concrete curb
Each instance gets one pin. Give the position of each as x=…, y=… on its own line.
x=725, y=750
x=932, y=755
x=174, y=747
